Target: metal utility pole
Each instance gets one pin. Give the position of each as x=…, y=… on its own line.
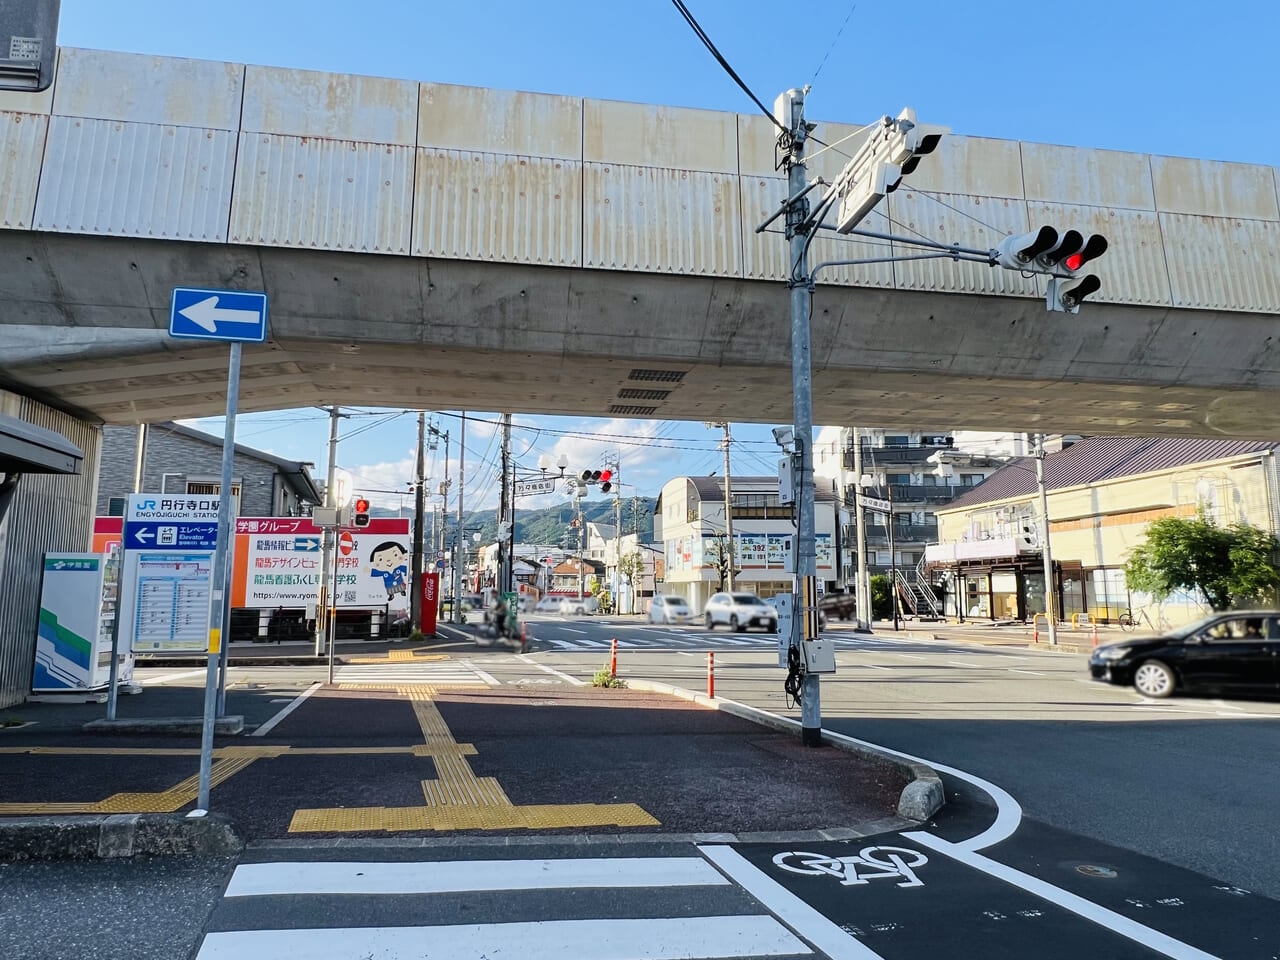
x=419, y=506
x=1050, y=594
x=893, y=555
x=458, y=558
x=790, y=113
x=329, y=535
x=504, y=509
x=140, y=461
x=862, y=586
x=728, y=510
x=582, y=538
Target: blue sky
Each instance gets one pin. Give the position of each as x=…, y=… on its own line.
x=1173, y=77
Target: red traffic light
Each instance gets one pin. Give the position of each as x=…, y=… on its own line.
x=1095, y=247
x=605, y=475
x=362, y=506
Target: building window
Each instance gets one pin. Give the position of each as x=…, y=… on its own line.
x=115, y=506
x=970, y=479
x=897, y=441
x=205, y=489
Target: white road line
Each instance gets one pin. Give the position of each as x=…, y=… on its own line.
x=789, y=908
x=572, y=630
x=873, y=666
x=1115, y=922
x=909, y=656
x=267, y=727
x=961, y=663
x=151, y=681
x=659, y=938
x=459, y=876
x=487, y=678
x=564, y=645
x=556, y=673
x=1030, y=672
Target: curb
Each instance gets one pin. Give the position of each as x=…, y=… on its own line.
x=113, y=836
x=223, y=726
x=920, y=799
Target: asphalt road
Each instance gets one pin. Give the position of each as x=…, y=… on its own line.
x=1190, y=781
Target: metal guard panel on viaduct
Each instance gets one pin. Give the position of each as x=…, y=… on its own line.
x=434, y=245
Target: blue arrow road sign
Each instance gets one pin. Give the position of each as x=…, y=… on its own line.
x=307, y=544
x=218, y=315
x=156, y=534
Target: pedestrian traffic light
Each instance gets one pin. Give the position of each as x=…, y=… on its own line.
x=361, y=518
x=606, y=481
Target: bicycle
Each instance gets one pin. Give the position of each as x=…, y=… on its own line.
x=1128, y=622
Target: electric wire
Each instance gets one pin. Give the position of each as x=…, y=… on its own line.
x=852, y=7
x=733, y=74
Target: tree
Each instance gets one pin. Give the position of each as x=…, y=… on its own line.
x=881, y=598
x=631, y=566
x=718, y=557
x=1226, y=565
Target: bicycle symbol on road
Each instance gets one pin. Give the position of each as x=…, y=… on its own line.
x=871, y=863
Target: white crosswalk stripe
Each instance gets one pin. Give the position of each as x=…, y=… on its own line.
x=444, y=673
x=734, y=924
x=669, y=641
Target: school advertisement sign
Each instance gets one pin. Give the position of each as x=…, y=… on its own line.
x=277, y=563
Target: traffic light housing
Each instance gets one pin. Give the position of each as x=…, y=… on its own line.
x=1060, y=255
x=360, y=517
x=606, y=480
x=891, y=152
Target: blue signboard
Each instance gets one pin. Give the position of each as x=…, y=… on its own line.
x=159, y=534
x=218, y=315
x=306, y=544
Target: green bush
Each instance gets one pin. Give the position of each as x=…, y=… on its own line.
x=604, y=678
x=881, y=600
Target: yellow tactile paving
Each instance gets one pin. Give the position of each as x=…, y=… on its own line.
x=534, y=817
x=459, y=800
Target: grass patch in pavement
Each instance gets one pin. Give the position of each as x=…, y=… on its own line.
x=604, y=678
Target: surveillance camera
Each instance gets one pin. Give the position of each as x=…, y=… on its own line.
x=783, y=436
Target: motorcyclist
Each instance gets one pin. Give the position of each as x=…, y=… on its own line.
x=498, y=616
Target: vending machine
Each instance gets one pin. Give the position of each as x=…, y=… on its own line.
x=79, y=595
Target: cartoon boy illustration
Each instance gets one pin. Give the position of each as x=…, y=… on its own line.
x=388, y=561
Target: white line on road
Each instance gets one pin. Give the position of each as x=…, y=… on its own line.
x=556, y=673
x=1030, y=672
x=909, y=656
x=659, y=938
x=455, y=876
x=961, y=663
x=267, y=727
x=572, y=630
x=487, y=678
x=789, y=908
x=564, y=645
x=1115, y=922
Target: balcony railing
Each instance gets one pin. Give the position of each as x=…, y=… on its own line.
x=905, y=493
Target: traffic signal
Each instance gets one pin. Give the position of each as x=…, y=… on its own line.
x=891, y=152
x=361, y=518
x=606, y=480
x=1062, y=257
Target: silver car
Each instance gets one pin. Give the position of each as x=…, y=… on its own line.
x=740, y=611
x=670, y=610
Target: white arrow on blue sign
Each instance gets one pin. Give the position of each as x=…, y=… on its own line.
x=306, y=544
x=179, y=534
x=199, y=314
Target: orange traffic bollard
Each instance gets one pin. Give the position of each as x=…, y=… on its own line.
x=613, y=658
x=1095, y=633
x=711, y=674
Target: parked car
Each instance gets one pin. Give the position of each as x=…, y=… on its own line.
x=581, y=607
x=670, y=610
x=739, y=611
x=1237, y=652
x=548, y=605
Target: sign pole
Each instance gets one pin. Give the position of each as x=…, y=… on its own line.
x=332, y=612
x=216, y=604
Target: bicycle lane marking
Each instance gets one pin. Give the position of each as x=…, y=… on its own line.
x=895, y=897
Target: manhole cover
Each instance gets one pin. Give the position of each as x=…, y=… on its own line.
x=1094, y=870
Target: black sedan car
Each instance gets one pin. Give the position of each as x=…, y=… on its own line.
x=1236, y=652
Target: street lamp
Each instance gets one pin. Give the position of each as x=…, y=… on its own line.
x=545, y=464
x=874, y=481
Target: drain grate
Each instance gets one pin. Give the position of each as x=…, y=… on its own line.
x=634, y=393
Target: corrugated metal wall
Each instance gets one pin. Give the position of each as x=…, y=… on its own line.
x=47, y=513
